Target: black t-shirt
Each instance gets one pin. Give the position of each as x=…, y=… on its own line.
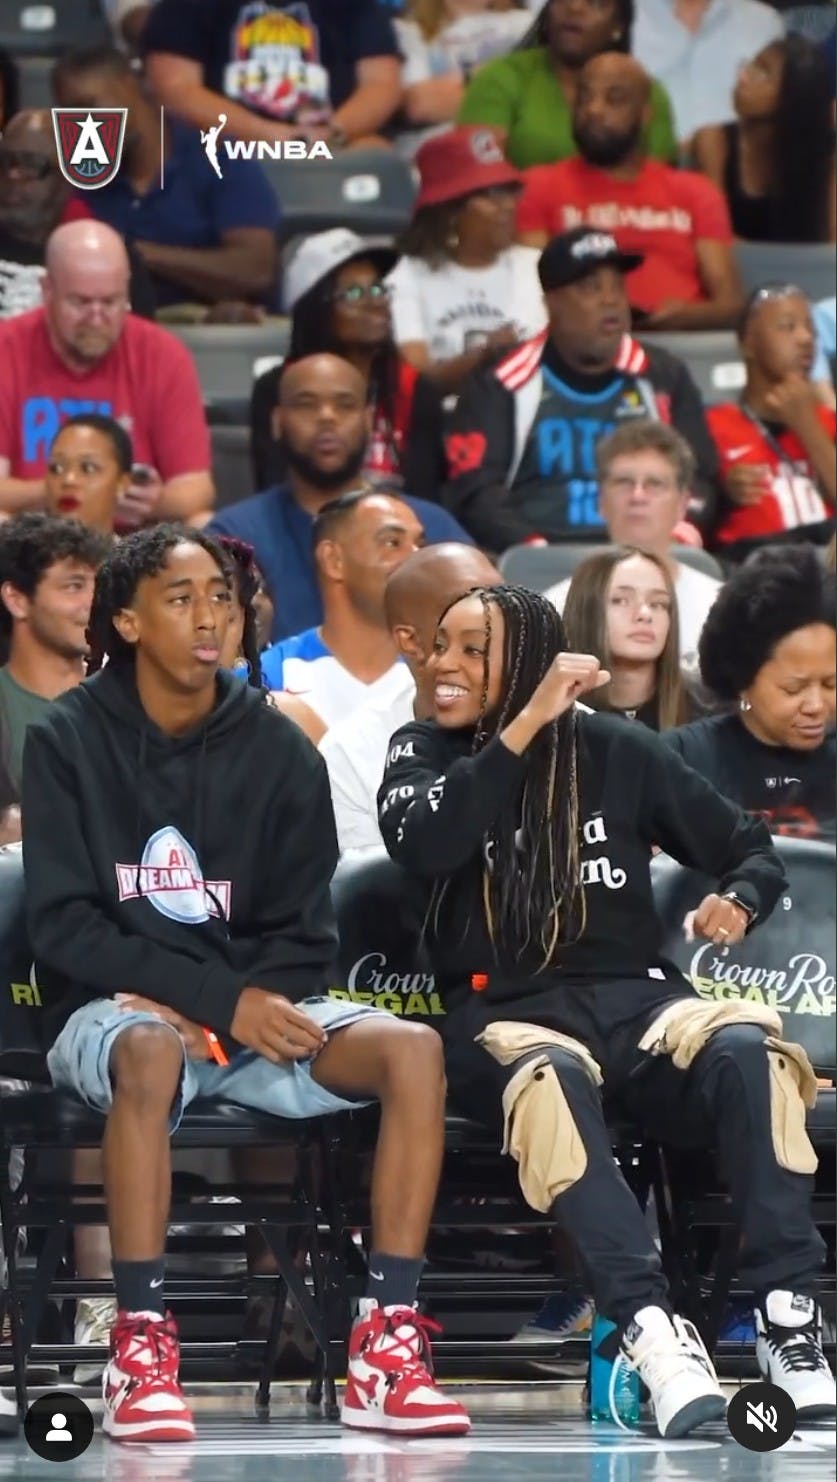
x=438, y=806
x=794, y=791
x=292, y=61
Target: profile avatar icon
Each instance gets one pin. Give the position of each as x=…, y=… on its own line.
x=59, y=1426
x=59, y=1430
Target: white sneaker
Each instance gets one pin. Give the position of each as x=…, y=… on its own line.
x=9, y=1419
x=95, y=1316
x=789, y=1352
x=672, y=1362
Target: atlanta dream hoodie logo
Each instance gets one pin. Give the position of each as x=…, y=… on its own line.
x=169, y=877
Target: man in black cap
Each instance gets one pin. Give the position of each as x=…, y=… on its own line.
x=521, y=450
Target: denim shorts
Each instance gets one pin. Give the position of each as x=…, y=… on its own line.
x=79, y=1061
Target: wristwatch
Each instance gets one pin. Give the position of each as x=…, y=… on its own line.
x=749, y=911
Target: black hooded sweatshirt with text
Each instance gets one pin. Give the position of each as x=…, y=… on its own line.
x=180, y=868
x=438, y=804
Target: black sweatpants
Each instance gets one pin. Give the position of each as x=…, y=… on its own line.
x=722, y=1101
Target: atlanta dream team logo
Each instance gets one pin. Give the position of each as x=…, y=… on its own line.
x=89, y=144
x=169, y=877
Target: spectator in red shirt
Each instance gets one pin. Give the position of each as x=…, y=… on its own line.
x=677, y=220
x=84, y=351
x=776, y=445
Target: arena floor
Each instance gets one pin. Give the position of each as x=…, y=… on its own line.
x=533, y=1431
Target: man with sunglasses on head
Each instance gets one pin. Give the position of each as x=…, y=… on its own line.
x=35, y=199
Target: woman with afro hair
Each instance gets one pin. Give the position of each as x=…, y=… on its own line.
x=768, y=647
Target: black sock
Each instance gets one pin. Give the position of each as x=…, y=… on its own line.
x=393, y=1280
x=139, y=1285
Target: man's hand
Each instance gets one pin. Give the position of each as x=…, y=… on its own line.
x=718, y=920
x=794, y=403
x=273, y=1027
x=747, y=483
x=191, y=1034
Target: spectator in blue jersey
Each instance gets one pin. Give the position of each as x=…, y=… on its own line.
x=351, y=658
x=201, y=238
x=323, y=421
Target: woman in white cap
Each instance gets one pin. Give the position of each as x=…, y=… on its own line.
x=464, y=289
x=334, y=290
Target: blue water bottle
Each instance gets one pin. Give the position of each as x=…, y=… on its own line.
x=614, y=1388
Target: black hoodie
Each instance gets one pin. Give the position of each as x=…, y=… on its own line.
x=183, y=869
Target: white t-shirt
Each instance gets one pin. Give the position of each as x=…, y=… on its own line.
x=303, y=666
x=451, y=309
x=699, y=69
x=465, y=43
x=355, y=752
x=696, y=591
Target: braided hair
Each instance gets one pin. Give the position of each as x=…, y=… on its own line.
x=531, y=883
x=246, y=580
x=139, y=555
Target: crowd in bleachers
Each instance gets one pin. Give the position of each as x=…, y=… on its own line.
x=561, y=338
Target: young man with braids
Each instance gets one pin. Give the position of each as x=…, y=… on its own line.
x=535, y=824
x=182, y=955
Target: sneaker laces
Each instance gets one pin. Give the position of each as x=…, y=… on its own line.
x=662, y=1359
x=156, y=1338
x=411, y=1353
x=798, y=1350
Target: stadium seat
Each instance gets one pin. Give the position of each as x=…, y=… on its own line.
x=369, y=190
x=812, y=266
x=31, y=29
x=226, y=356
x=232, y=469
x=713, y=358
x=34, y=81
x=542, y=566
x=787, y=962
x=42, y=1120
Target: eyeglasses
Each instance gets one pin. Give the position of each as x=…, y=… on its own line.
x=357, y=292
x=29, y=166
x=626, y=484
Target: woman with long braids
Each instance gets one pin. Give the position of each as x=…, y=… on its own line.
x=534, y=824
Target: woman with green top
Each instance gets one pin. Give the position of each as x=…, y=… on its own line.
x=526, y=97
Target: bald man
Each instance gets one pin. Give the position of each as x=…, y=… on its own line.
x=322, y=422
x=84, y=350
x=676, y=220
x=355, y=749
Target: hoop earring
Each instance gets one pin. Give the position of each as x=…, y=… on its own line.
x=744, y=705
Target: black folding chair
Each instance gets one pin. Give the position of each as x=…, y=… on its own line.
x=42, y=1120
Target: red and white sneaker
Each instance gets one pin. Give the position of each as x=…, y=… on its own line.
x=143, y=1400
x=389, y=1386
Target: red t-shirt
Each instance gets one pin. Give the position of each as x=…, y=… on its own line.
x=794, y=499
x=147, y=381
x=663, y=214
